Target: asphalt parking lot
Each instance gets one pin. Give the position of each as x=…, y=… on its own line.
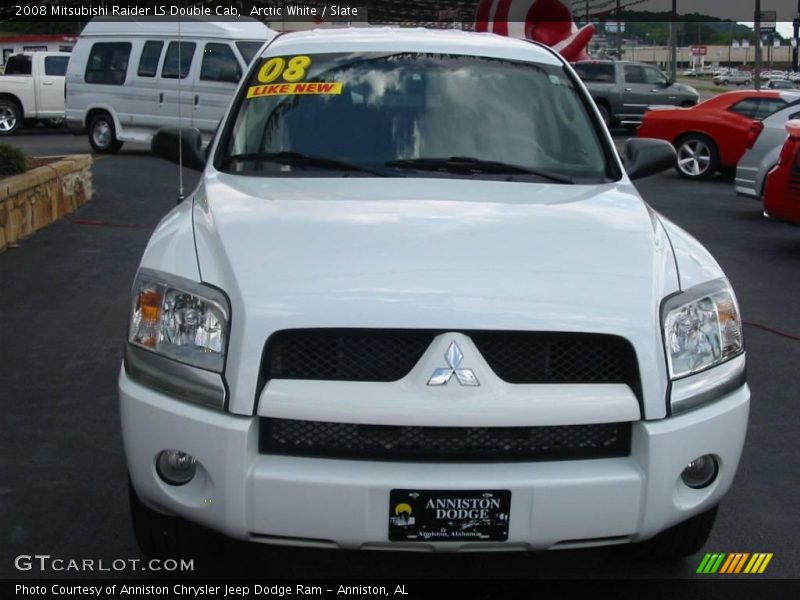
x=63, y=315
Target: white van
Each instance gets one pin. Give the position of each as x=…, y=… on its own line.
x=126, y=79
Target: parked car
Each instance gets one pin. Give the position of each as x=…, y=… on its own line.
x=734, y=77
x=623, y=91
x=770, y=75
x=762, y=156
x=782, y=190
x=32, y=87
x=690, y=73
x=128, y=78
x=781, y=84
x=462, y=337
x=714, y=134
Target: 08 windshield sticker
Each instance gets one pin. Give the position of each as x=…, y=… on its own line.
x=286, y=76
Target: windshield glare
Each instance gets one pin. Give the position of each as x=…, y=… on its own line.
x=383, y=108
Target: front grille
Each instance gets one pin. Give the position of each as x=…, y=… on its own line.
x=440, y=444
x=522, y=357
x=389, y=355
x=343, y=354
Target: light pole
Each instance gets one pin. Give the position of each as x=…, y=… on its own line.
x=796, y=28
x=757, y=23
x=673, y=41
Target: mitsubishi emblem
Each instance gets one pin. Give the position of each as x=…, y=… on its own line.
x=454, y=356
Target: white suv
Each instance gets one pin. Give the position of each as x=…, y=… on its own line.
x=416, y=287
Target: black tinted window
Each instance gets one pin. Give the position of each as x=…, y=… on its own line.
x=108, y=63
x=757, y=108
x=654, y=76
x=148, y=64
x=596, y=72
x=220, y=64
x=18, y=65
x=56, y=65
x=178, y=60
x=634, y=74
x=248, y=50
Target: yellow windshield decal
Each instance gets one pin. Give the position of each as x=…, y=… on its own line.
x=294, y=89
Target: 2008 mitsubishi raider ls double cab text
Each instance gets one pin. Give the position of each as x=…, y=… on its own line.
x=415, y=282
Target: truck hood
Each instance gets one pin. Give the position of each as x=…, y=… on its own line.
x=442, y=254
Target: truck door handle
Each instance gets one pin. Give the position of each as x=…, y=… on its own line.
x=628, y=89
x=656, y=90
x=47, y=83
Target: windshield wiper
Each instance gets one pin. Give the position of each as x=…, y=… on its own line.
x=468, y=165
x=299, y=159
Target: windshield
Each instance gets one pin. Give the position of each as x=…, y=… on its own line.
x=412, y=114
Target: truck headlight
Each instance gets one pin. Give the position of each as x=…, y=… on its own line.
x=702, y=328
x=182, y=320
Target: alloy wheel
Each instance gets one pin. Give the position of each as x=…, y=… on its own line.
x=8, y=119
x=694, y=158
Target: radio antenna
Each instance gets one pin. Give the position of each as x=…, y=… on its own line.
x=180, y=113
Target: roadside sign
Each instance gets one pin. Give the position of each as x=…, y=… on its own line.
x=699, y=50
x=767, y=18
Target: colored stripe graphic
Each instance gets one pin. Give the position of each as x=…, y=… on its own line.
x=759, y=562
x=733, y=563
x=711, y=563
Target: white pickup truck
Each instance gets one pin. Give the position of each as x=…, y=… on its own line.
x=32, y=87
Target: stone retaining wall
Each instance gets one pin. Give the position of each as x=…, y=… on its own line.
x=43, y=195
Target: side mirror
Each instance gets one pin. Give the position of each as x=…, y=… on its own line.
x=168, y=142
x=643, y=157
x=669, y=82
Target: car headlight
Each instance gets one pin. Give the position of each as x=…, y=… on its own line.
x=702, y=329
x=182, y=320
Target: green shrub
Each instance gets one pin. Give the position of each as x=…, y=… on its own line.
x=12, y=160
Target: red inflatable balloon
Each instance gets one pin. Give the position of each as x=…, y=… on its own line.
x=547, y=21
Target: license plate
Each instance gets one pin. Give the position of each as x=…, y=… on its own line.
x=449, y=515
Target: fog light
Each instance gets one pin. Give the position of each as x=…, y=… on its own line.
x=700, y=472
x=176, y=467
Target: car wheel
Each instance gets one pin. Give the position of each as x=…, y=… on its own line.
x=10, y=117
x=162, y=536
x=697, y=156
x=103, y=135
x=724, y=82
x=684, y=539
x=604, y=114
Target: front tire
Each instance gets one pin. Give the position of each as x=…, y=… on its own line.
x=10, y=117
x=162, y=536
x=103, y=135
x=698, y=157
x=684, y=539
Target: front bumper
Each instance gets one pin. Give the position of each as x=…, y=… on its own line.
x=345, y=503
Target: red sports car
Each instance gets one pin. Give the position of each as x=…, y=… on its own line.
x=714, y=134
x=782, y=190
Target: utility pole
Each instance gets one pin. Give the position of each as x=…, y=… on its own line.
x=757, y=23
x=619, y=30
x=673, y=41
x=796, y=27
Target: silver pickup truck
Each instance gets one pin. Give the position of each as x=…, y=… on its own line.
x=624, y=91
